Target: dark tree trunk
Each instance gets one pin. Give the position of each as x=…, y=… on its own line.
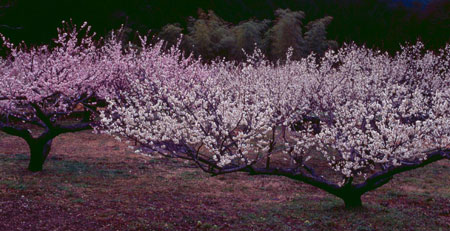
x=39, y=151
x=349, y=193
x=40, y=146
x=352, y=202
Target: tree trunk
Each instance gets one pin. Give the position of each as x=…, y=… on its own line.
x=39, y=152
x=352, y=202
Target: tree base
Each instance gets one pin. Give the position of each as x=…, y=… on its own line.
x=39, y=152
x=353, y=202
x=35, y=167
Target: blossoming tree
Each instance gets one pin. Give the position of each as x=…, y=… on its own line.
x=365, y=114
x=40, y=85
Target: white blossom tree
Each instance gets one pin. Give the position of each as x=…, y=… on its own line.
x=365, y=114
x=377, y=120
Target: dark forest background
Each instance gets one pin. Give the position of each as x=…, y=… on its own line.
x=319, y=24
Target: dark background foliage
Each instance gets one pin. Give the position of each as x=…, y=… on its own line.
x=382, y=24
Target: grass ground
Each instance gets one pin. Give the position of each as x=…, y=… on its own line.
x=93, y=182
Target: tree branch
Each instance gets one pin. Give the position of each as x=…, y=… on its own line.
x=42, y=116
x=14, y=98
x=30, y=121
x=381, y=178
x=295, y=175
x=15, y=131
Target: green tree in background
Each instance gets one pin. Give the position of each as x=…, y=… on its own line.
x=171, y=33
x=248, y=34
x=210, y=36
x=316, y=36
x=286, y=32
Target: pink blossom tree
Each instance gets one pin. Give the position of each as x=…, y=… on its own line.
x=367, y=115
x=40, y=85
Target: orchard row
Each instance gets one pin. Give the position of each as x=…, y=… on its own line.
x=367, y=114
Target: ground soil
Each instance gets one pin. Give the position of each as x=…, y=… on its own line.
x=93, y=182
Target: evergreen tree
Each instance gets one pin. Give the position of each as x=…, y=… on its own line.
x=316, y=36
x=285, y=33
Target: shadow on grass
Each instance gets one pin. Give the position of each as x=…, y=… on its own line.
x=404, y=204
x=305, y=213
x=59, y=166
